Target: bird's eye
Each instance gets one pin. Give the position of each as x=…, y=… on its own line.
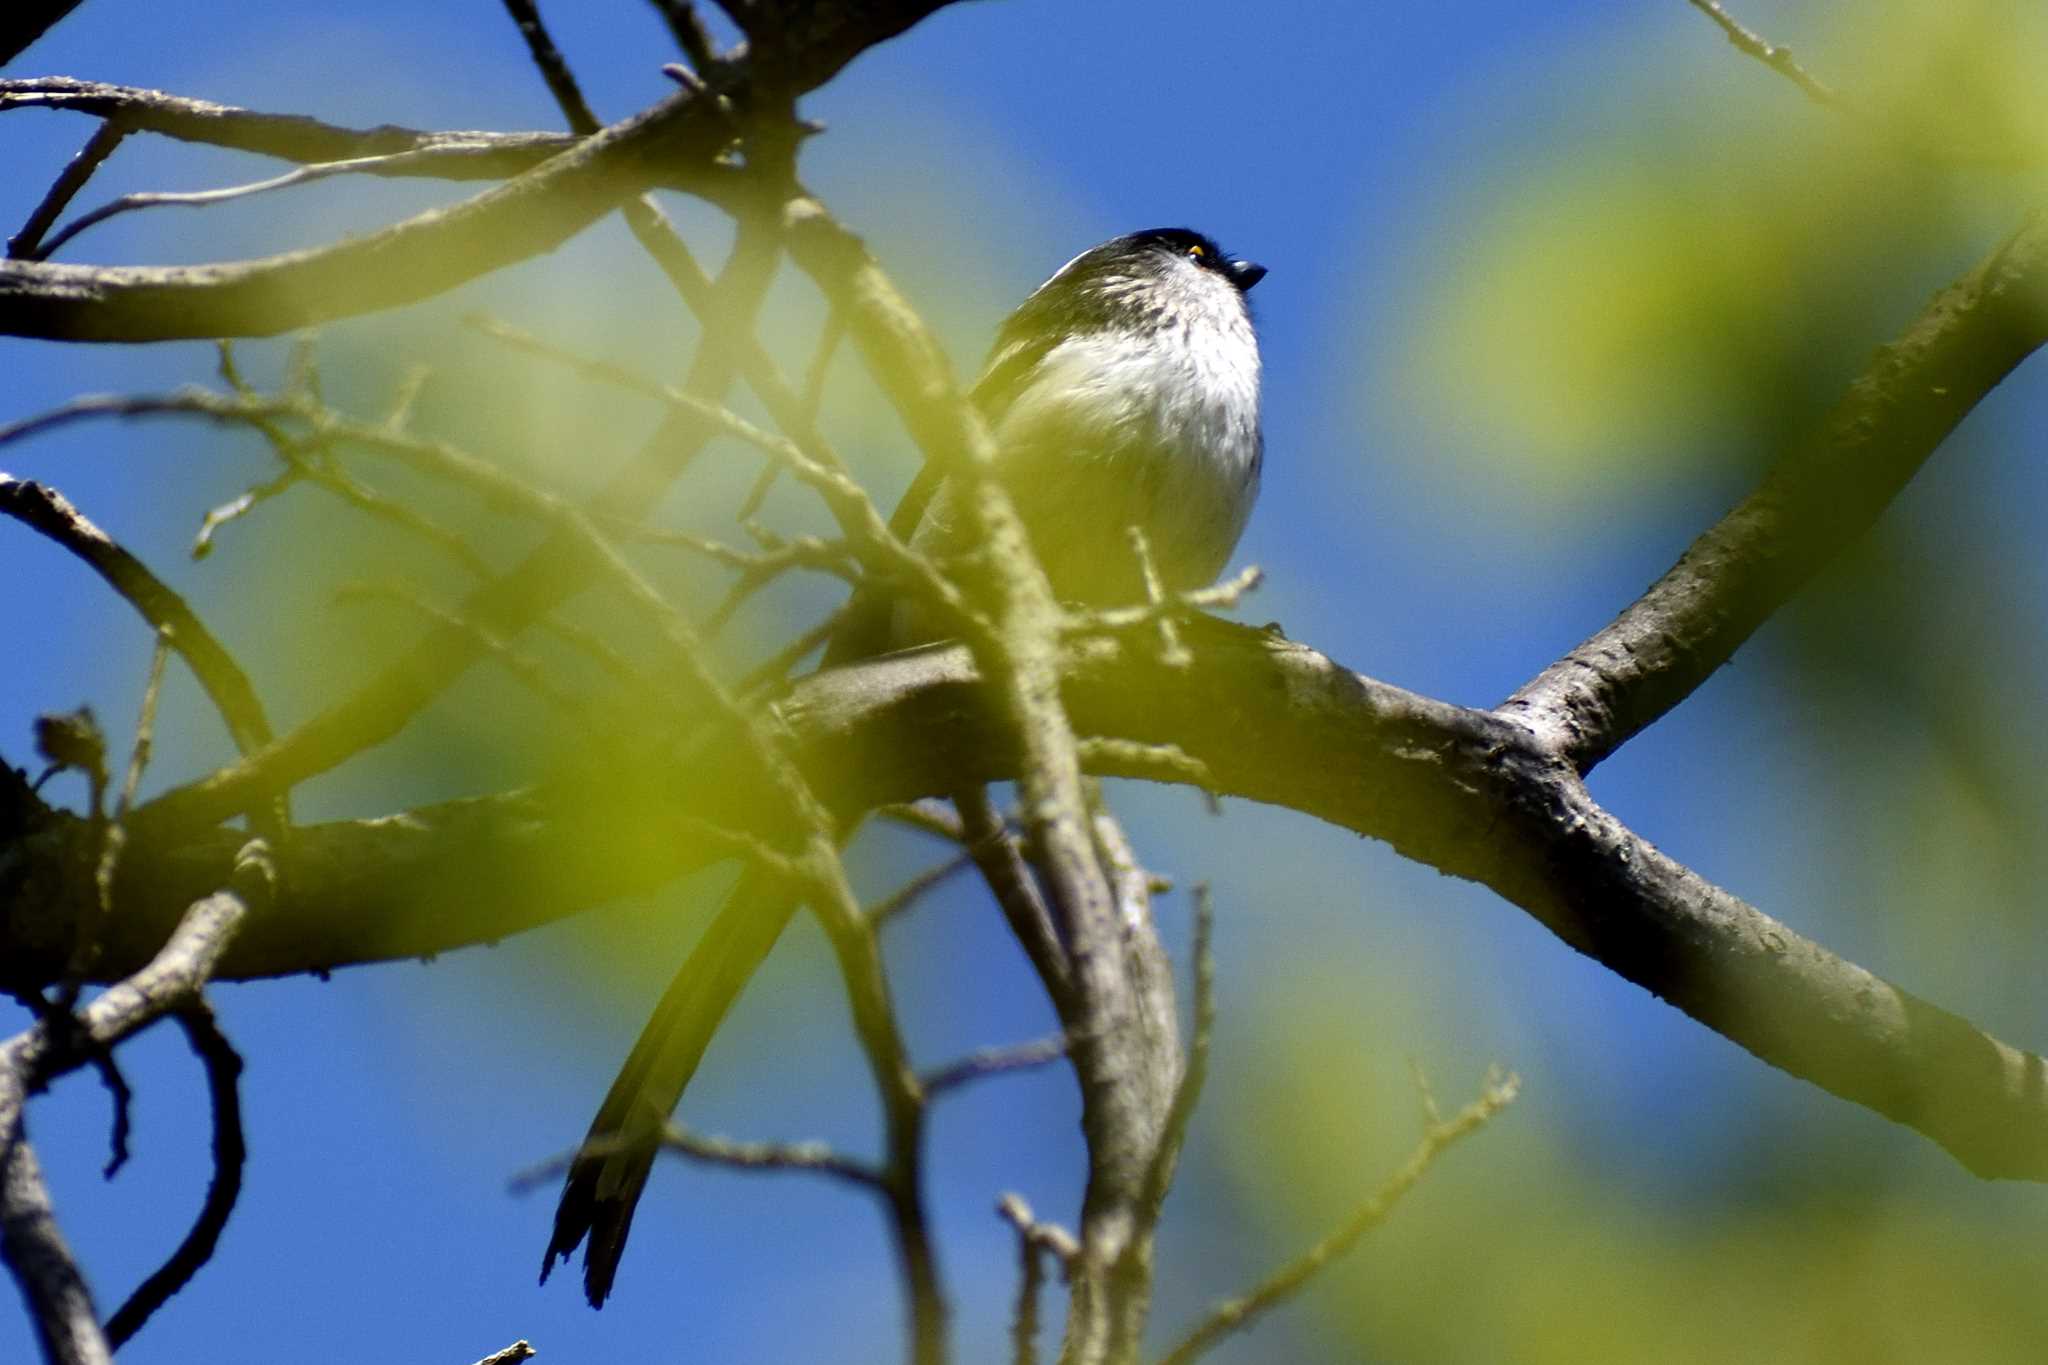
x=1196, y=251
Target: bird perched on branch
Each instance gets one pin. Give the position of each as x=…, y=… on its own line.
x=1124, y=392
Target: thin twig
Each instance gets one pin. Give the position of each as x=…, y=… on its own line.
x=929, y=816
x=995, y=1061
x=686, y=26
x=392, y=163
x=1779, y=59
x=1054, y=1240
x=1165, y=762
x=772, y=673
x=814, y=1157
x=553, y=68
x=523, y=667
x=768, y=1156
x=908, y=894
x=997, y=853
x=26, y=244
x=114, y=837
x=240, y=506
x=532, y=587
x=810, y=461
x=1497, y=1092
x=1171, y=607
x=1172, y=652
x=230, y=1154
x=1035, y=1241
x=833, y=332
x=122, y=1096
x=1024, y=1320
x=220, y=677
x=1906, y=134
x=290, y=137
x=1195, y=1075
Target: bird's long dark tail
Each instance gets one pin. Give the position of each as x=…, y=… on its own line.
x=605, y=1181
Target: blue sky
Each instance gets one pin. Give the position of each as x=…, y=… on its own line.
x=1355, y=150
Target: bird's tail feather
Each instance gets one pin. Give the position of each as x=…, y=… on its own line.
x=604, y=1183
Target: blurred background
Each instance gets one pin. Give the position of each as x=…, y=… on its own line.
x=1550, y=286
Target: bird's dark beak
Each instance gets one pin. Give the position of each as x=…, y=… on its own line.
x=1244, y=274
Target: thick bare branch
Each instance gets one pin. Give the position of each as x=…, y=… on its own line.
x=1456, y=789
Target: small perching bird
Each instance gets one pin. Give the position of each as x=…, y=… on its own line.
x=1124, y=392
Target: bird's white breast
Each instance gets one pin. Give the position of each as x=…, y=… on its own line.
x=1157, y=428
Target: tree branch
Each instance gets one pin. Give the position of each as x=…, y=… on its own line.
x=668, y=144
x=288, y=137
x=230, y=1153
x=1457, y=789
x=30, y=1242
x=226, y=685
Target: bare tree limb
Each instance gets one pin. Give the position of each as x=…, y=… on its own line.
x=288, y=137
x=535, y=212
x=1456, y=789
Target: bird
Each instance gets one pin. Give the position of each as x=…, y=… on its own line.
x=1123, y=392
